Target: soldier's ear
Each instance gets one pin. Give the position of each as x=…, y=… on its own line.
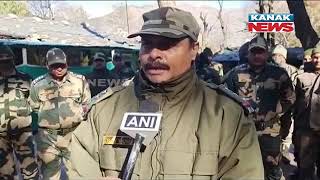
x=194, y=50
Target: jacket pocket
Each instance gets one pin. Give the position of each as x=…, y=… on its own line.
x=177, y=162
x=206, y=164
x=112, y=160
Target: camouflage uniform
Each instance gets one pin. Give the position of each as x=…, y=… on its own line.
x=15, y=127
x=60, y=111
x=271, y=93
x=203, y=70
x=208, y=75
x=217, y=67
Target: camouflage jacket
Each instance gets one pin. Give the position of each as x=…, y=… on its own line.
x=217, y=67
x=306, y=118
x=209, y=75
x=59, y=105
x=270, y=91
x=14, y=108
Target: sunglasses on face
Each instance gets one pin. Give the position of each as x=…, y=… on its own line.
x=56, y=66
x=257, y=50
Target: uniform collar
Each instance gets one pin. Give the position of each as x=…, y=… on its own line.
x=174, y=90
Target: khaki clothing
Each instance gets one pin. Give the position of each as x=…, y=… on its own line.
x=306, y=125
x=15, y=128
x=60, y=107
x=203, y=134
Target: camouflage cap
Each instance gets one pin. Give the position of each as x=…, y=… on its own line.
x=99, y=55
x=308, y=52
x=279, y=49
x=56, y=56
x=169, y=22
x=258, y=42
x=316, y=50
x=6, y=53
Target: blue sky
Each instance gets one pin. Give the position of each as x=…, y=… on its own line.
x=100, y=8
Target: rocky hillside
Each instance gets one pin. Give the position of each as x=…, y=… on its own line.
x=115, y=23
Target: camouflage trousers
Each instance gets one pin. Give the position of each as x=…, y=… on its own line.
x=22, y=146
x=53, y=152
x=271, y=156
x=307, y=154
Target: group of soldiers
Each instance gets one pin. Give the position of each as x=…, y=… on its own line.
x=233, y=127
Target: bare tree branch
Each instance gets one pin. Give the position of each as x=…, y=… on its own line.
x=42, y=9
x=222, y=25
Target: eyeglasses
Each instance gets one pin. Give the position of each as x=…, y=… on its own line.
x=56, y=66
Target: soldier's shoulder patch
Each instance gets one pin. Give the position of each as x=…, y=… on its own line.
x=76, y=75
x=104, y=95
x=226, y=92
x=38, y=79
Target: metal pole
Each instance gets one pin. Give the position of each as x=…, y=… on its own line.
x=127, y=17
x=127, y=174
x=24, y=56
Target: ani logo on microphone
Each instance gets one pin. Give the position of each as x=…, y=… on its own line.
x=146, y=124
x=271, y=22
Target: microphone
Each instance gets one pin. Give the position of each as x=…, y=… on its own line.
x=143, y=127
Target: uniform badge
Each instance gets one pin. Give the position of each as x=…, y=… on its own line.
x=118, y=140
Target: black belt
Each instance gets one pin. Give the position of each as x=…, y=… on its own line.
x=60, y=132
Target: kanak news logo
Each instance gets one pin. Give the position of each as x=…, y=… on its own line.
x=270, y=23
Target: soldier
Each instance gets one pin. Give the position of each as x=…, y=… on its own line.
x=204, y=134
x=307, y=124
x=101, y=78
x=58, y=97
x=122, y=69
x=204, y=72
x=279, y=55
x=15, y=121
x=218, y=67
x=269, y=89
x=307, y=65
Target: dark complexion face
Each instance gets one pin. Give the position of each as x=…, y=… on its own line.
x=165, y=59
x=58, y=71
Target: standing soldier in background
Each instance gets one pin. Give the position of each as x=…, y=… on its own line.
x=59, y=97
x=205, y=73
x=15, y=121
x=100, y=78
x=122, y=69
x=268, y=88
x=307, y=121
x=307, y=65
x=279, y=55
x=207, y=53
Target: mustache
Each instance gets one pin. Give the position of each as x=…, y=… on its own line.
x=156, y=65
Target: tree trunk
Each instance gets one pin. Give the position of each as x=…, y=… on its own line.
x=303, y=28
x=166, y=3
